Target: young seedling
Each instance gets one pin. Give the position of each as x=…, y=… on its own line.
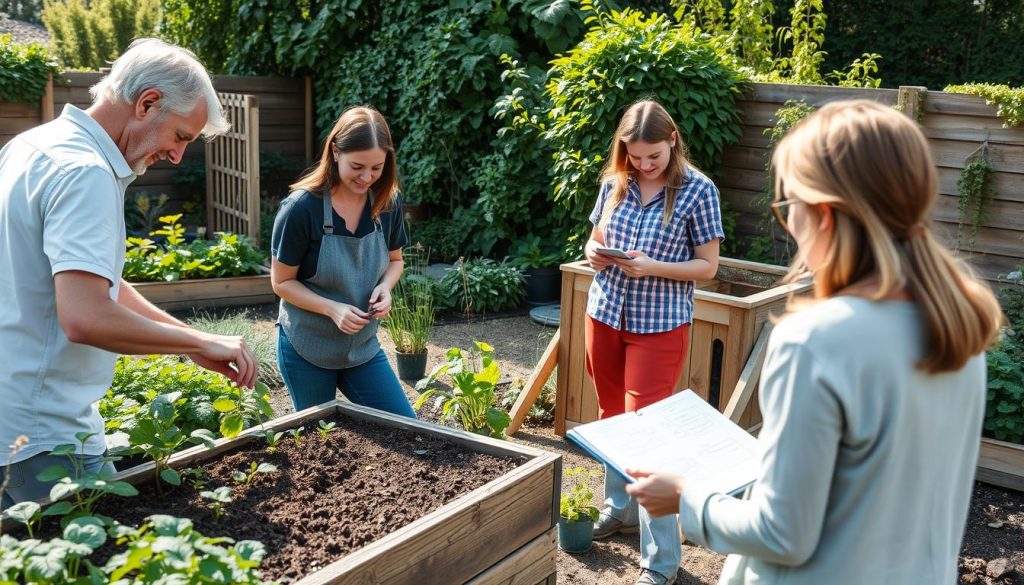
x=241, y=405
x=246, y=478
x=218, y=498
x=295, y=433
x=86, y=488
x=273, y=438
x=194, y=476
x=325, y=428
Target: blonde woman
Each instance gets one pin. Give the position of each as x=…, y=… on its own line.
x=873, y=396
x=663, y=214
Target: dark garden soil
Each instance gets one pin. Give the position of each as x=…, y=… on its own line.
x=327, y=498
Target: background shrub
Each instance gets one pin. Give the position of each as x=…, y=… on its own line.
x=90, y=34
x=481, y=286
x=24, y=71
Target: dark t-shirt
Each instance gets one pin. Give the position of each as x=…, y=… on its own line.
x=299, y=229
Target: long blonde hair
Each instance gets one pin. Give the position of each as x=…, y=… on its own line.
x=872, y=166
x=358, y=128
x=646, y=121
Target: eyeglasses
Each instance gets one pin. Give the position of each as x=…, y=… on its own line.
x=781, y=210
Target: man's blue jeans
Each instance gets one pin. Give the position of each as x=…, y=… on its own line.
x=372, y=384
x=23, y=485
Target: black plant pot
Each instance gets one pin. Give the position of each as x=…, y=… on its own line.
x=543, y=285
x=411, y=366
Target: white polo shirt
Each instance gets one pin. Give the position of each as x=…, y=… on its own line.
x=62, y=190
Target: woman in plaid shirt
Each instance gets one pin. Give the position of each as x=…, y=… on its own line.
x=664, y=214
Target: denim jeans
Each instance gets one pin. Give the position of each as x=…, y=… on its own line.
x=661, y=546
x=23, y=485
x=371, y=384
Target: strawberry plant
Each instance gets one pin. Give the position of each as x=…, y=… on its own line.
x=157, y=436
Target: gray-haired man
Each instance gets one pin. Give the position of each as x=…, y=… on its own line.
x=65, y=312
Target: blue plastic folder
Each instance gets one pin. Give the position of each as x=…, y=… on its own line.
x=680, y=434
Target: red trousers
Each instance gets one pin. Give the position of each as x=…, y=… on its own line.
x=633, y=370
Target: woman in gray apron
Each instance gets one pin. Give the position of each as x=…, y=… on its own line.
x=337, y=253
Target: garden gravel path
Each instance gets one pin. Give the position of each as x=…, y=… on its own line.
x=995, y=530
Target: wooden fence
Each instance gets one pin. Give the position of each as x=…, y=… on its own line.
x=956, y=126
x=286, y=126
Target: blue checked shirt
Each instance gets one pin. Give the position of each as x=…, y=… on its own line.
x=652, y=304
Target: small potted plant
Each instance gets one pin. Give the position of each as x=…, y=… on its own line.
x=411, y=319
x=539, y=263
x=577, y=514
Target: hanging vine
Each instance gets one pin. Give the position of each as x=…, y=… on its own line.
x=976, y=191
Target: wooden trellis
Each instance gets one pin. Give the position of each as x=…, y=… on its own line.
x=233, y=170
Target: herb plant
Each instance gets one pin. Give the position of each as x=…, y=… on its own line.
x=411, y=318
x=296, y=434
x=1004, y=411
x=273, y=439
x=471, y=398
x=84, y=488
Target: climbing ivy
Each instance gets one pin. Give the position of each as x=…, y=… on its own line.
x=976, y=191
x=1009, y=101
x=24, y=70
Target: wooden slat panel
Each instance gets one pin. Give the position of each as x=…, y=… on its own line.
x=577, y=361
x=815, y=94
x=1001, y=464
x=1005, y=158
x=568, y=328
x=530, y=565
x=957, y=103
x=971, y=128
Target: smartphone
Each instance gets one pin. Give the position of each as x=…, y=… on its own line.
x=614, y=253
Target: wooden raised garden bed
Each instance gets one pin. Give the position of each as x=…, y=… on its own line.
x=1001, y=464
x=501, y=530
x=211, y=292
x=729, y=313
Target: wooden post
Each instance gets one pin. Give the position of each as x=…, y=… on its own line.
x=749, y=377
x=541, y=373
x=46, y=104
x=910, y=100
x=252, y=181
x=310, y=126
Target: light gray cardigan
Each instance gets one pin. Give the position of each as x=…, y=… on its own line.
x=867, y=465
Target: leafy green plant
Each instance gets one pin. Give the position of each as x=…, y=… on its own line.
x=217, y=498
x=976, y=190
x=228, y=255
x=1004, y=411
x=577, y=504
x=1012, y=298
x=531, y=251
x=481, y=286
x=24, y=71
x=296, y=435
x=144, y=212
x=411, y=319
x=157, y=436
x=194, y=476
x=139, y=380
x=240, y=405
x=166, y=549
x=85, y=488
x=1009, y=101
x=325, y=428
x=471, y=397
x=246, y=477
x=58, y=560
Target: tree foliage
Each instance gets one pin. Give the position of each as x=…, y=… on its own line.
x=24, y=71
x=90, y=34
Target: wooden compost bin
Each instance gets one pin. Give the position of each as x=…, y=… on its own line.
x=503, y=532
x=729, y=312
x=208, y=292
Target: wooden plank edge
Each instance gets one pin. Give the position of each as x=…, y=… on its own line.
x=532, y=563
x=749, y=377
